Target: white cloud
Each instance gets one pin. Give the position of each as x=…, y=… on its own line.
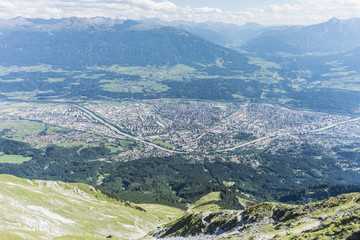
x=294, y=12
x=86, y=8
x=306, y=11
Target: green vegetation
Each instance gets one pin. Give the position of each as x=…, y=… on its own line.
x=285, y=100
x=114, y=87
x=115, y=82
x=336, y=218
x=228, y=184
x=82, y=145
x=264, y=64
x=21, y=95
x=21, y=234
x=176, y=181
x=163, y=144
x=133, y=87
x=72, y=211
x=211, y=181
x=242, y=136
x=4, y=70
x=126, y=143
x=14, y=159
x=318, y=192
x=14, y=107
x=17, y=129
x=83, y=237
x=175, y=73
x=207, y=203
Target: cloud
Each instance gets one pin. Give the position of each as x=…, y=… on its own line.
x=304, y=11
x=294, y=12
x=108, y=8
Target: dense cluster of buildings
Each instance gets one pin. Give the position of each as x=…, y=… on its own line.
x=191, y=126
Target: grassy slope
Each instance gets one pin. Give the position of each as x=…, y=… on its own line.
x=337, y=217
x=211, y=203
x=206, y=203
x=45, y=209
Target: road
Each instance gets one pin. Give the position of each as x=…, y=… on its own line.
x=117, y=130
x=335, y=124
x=289, y=133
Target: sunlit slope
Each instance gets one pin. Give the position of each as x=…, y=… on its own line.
x=334, y=218
x=214, y=201
x=46, y=209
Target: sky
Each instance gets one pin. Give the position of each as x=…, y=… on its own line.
x=266, y=12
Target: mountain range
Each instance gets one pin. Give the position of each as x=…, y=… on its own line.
x=335, y=35
x=138, y=42
x=228, y=35
x=332, y=36
x=80, y=43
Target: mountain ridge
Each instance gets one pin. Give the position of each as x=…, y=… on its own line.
x=334, y=35
x=83, y=42
x=334, y=218
x=37, y=209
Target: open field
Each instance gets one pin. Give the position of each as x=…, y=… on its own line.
x=174, y=73
x=20, y=128
x=15, y=159
x=164, y=144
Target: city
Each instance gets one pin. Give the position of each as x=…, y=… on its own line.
x=165, y=127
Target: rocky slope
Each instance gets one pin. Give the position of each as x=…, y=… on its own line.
x=335, y=218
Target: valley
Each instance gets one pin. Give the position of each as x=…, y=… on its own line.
x=156, y=132
x=180, y=126
x=105, y=143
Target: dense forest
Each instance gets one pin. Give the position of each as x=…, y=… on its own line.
x=178, y=180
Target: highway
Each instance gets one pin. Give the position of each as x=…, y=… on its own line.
x=289, y=133
x=117, y=130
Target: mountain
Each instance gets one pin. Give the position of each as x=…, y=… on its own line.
x=82, y=42
x=224, y=34
x=34, y=209
x=334, y=35
x=335, y=218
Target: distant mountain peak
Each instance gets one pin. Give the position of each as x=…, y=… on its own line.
x=72, y=23
x=350, y=21
x=334, y=35
x=334, y=20
x=106, y=41
x=252, y=24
